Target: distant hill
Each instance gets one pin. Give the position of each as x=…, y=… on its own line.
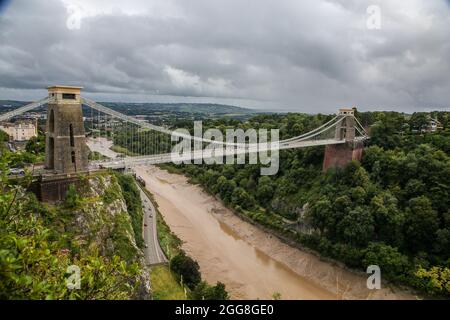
x=11, y=104
x=193, y=108
x=145, y=108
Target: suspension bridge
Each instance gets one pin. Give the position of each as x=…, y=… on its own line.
x=145, y=143
x=71, y=120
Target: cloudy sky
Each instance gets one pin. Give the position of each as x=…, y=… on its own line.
x=308, y=55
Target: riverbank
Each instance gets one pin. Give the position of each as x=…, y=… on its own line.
x=251, y=262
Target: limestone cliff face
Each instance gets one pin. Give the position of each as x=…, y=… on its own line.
x=101, y=222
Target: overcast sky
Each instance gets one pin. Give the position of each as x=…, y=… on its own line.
x=306, y=56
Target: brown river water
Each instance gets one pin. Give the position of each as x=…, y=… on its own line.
x=250, y=262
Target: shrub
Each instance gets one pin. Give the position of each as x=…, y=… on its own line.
x=72, y=199
x=392, y=263
x=188, y=268
x=204, y=291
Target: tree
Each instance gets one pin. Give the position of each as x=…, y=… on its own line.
x=188, y=268
x=241, y=198
x=418, y=121
x=265, y=190
x=435, y=280
x=442, y=244
x=389, y=220
x=421, y=224
x=72, y=199
x=36, y=145
x=361, y=178
x=4, y=137
x=204, y=291
x=356, y=227
x=225, y=188
x=385, y=131
x=391, y=262
x=358, y=195
x=321, y=215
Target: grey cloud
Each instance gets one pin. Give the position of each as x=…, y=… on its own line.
x=313, y=55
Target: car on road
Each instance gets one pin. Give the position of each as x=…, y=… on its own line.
x=145, y=224
x=146, y=245
x=16, y=171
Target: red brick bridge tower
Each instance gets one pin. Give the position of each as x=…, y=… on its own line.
x=339, y=155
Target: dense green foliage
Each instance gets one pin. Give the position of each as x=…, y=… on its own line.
x=4, y=137
x=203, y=291
x=36, y=145
x=73, y=198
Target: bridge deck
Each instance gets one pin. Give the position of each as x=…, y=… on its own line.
x=168, y=157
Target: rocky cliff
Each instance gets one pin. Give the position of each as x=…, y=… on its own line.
x=101, y=222
x=91, y=230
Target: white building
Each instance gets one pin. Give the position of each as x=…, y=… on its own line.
x=20, y=131
x=434, y=125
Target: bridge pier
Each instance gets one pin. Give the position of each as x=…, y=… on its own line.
x=53, y=188
x=340, y=155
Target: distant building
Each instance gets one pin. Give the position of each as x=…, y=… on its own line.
x=20, y=131
x=34, y=115
x=434, y=125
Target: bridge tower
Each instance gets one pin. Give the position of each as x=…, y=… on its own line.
x=66, y=149
x=339, y=155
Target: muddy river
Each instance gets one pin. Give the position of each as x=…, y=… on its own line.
x=251, y=263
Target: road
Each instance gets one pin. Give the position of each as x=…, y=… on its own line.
x=152, y=252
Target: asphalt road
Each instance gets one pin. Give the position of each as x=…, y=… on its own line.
x=152, y=251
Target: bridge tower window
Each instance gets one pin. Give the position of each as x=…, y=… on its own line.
x=68, y=96
x=51, y=153
x=72, y=140
x=51, y=123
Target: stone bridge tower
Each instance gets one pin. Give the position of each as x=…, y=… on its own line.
x=66, y=150
x=339, y=155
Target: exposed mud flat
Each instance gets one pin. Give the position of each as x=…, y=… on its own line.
x=250, y=262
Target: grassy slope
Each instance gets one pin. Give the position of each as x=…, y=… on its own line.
x=165, y=285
